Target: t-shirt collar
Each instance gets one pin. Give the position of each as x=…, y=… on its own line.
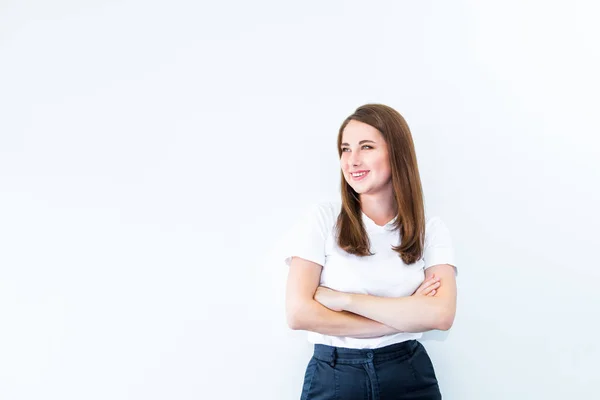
x=369, y=223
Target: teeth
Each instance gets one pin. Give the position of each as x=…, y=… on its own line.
x=359, y=174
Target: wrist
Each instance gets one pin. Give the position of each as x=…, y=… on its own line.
x=348, y=300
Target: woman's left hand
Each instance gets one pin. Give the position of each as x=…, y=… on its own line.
x=332, y=299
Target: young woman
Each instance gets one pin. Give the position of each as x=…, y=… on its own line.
x=369, y=274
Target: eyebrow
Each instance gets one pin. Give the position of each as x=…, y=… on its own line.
x=361, y=142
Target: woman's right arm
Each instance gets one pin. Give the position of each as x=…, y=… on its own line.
x=303, y=312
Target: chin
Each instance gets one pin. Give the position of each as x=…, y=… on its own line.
x=359, y=190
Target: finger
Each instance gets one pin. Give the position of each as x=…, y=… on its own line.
x=431, y=280
x=432, y=293
x=425, y=284
x=431, y=287
x=423, y=287
x=428, y=285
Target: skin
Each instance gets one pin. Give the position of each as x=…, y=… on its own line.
x=364, y=148
x=340, y=301
x=375, y=190
x=416, y=313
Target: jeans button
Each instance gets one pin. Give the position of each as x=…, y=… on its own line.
x=370, y=355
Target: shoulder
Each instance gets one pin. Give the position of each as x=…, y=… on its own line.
x=324, y=213
x=433, y=221
x=435, y=229
x=438, y=247
x=329, y=209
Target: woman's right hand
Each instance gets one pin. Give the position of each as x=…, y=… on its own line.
x=428, y=287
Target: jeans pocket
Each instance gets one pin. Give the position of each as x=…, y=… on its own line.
x=308, y=377
x=422, y=367
x=321, y=381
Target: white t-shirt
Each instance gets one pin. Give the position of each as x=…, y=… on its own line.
x=382, y=274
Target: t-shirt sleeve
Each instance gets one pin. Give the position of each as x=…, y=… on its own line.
x=438, y=244
x=306, y=238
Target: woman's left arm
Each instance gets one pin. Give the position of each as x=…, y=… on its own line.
x=412, y=313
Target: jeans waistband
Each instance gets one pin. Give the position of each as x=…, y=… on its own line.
x=345, y=355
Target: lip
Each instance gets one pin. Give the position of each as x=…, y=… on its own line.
x=360, y=178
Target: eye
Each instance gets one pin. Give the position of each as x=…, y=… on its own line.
x=364, y=146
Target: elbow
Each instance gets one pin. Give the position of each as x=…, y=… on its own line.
x=445, y=324
x=293, y=322
x=294, y=316
x=445, y=320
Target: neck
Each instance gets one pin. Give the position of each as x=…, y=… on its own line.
x=380, y=207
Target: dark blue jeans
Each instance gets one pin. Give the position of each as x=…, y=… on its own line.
x=401, y=371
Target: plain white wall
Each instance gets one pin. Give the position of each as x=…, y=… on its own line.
x=153, y=155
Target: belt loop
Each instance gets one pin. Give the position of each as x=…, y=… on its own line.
x=333, y=356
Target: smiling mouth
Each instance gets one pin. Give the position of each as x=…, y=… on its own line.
x=359, y=176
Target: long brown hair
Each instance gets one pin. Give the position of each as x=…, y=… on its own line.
x=406, y=183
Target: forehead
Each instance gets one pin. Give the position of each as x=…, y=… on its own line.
x=356, y=131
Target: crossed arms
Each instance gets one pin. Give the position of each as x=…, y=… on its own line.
x=363, y=316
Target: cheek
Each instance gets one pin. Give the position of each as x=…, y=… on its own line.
x=343, y=163
x=382, y=165
x=383, y=168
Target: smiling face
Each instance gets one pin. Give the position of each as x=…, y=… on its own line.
x=364, y=160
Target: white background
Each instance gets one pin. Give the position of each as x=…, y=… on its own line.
x=154, y=154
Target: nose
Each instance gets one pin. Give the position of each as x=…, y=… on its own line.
x=353, y=159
